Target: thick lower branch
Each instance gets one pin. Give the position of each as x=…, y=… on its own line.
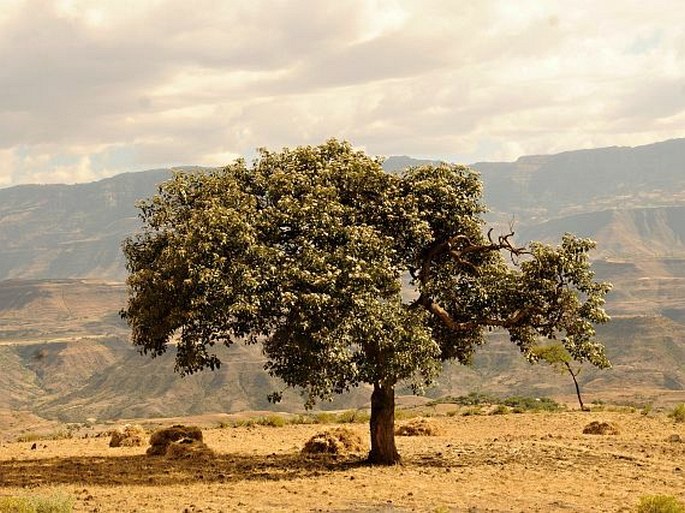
x=458, y=247
x=515, y=319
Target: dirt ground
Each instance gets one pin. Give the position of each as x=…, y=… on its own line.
x=516, y=462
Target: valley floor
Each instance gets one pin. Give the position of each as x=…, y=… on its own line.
x=515, y=463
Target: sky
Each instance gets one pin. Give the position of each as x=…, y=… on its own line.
x=93, y=88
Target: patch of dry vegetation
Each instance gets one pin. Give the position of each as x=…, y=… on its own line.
x=419, y=427
x=131, y=435
x=163, y=438
x=600, y=428
x=338, y=441
x=543, y=456
x=188, y=449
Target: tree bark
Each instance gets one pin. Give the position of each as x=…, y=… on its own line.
x=383, y=449
x=575, y=382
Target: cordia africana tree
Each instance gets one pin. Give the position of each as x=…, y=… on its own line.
x=305, y=252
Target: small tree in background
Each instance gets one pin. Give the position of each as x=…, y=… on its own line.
x=306, y=250
x=560, y=359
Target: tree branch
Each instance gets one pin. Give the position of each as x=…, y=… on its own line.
x=436, y=309
x=459, y=246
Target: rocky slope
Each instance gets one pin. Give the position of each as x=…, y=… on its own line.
x=64, y=351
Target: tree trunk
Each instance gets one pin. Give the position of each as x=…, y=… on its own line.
x=383, y=449
x=575, y=382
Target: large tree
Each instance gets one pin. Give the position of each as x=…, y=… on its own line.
x=346, y=274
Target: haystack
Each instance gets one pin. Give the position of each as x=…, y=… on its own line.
x=337, y=441
x=418, y=427
x=128, y=436
x=162, y=438
x=600, y=428
x=187, y=449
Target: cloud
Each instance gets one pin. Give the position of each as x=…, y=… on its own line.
x=91, y=88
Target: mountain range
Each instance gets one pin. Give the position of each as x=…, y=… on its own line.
x=64, y=352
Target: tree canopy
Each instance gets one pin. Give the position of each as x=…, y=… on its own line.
x=347, y=274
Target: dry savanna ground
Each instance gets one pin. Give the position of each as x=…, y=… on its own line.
x=516, y=462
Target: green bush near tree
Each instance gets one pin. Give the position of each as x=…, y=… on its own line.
x=678, y=413
x=660, y=504
x=57, y=503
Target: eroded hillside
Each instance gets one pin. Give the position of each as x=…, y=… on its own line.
x=65, y=352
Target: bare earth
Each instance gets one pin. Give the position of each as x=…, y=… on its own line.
x=515, y=462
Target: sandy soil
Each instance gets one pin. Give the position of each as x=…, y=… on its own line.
x=515, y=462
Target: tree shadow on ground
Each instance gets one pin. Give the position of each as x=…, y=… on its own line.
x=142, y=470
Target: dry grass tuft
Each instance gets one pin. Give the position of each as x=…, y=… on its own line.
x=128, y=436
x=187, y=449
x=337, y=441
x=600, y=428
x=418, y=427
x=162, y=438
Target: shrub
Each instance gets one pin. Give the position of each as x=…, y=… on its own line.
x=405, y=414
x=60, y=434
x=15, y=505
x=29, y=437
x=57, y=503
x=521, y=404
x=472, y=399
x=244, y=423
x=272, y=421
x=660, y=504
x=518, y=404
x=678, y=413
x=324, y=417
x=468, y=412
x=500, y=409
x=353, y=417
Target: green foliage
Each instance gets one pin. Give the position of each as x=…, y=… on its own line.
x=15, y=505
x=560, y=359
x=405, y=414
x=517, y=404
x=353, y=417
x=324, y=417
x=306, y=250
x=520, y=404
x=471, y=399
x=273, y=421
x=660, y=504
x=57, y=503
x=555, y=355
x=678, y=413
x=344, y=417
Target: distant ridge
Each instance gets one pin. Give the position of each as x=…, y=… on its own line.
x=64, y=351
x=75, y=231
x=543, y=186
x=398, y=163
